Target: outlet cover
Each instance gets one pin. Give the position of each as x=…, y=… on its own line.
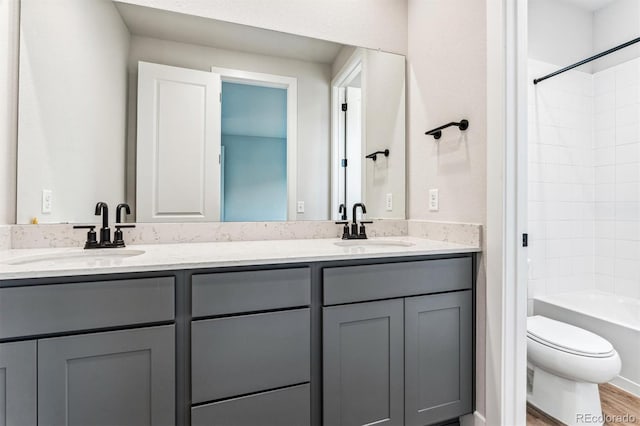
x=433, y=200
x=300, y=208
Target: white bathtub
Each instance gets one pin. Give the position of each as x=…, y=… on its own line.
x=615, y=318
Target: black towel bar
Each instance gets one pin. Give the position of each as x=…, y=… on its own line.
x=437, y=132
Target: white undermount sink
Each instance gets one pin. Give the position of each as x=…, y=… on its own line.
x=93, y=256
x=374, y=243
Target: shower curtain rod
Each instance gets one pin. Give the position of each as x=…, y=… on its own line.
x=593, y=58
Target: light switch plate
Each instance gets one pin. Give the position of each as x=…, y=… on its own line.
x=389, y=202
x=300, y=207
x=433, y=200
x=47, y=200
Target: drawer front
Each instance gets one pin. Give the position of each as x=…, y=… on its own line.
x=56, y=308
x=237, y=292
x=384, y=281
x=282, y=407
x=251, y=353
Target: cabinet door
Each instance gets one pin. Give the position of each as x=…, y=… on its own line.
x=114, y=378
x=363, y=364
x=18, y=383
x=438, y=357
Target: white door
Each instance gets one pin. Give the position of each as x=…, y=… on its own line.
x=178, y=145
x=355, y=156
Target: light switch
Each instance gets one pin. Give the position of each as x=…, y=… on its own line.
x=433, y=200
x=300, y=206
x=47, y=200
x=389, y=202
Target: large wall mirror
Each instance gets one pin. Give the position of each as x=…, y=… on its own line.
x=191, y=119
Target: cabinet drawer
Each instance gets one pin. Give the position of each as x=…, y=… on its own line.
x=384, y=281
x=282, y=407
x=237, y=292
x=55, y=308
x=250, y=353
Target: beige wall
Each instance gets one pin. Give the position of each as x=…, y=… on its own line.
x=446, y=78
x=376, y=24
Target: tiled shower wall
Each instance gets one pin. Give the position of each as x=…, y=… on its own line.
x=561, y=182
x=584, y=181
x=617, y=178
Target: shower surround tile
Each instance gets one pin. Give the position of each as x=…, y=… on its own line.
x=609, y=203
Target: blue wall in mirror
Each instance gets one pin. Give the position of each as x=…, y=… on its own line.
x=254, y=131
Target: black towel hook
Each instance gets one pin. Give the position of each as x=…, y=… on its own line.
x=437, y=132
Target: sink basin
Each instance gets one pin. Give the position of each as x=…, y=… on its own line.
x=374, y=243
x=90, y=257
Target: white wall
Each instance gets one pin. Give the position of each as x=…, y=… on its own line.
x=313, y=108
x=615, y=24
x=8, y=108
x=561, y=182
x=376, y=24
x=73, y=87
x=446, y=80
x=383, y=78
x=560, y=32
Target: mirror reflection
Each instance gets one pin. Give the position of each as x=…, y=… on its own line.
x=191, y=119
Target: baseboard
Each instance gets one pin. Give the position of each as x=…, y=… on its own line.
x=627, y=385
x=475, y=419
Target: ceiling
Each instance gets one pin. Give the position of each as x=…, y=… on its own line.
x=165, y=25
x=591, y=4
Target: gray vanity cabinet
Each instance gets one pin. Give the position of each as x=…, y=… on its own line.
x=363, y=363
x=18, y=383
x=438, y=357
x=398, y=342
x=113, y=378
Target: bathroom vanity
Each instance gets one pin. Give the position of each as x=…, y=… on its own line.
x=347, y=336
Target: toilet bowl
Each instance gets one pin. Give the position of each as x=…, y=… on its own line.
x=565, y=366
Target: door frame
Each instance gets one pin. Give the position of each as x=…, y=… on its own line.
x=353, y=65
x=290, y=84
x=506, y=259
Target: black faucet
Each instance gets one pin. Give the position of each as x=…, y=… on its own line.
x=355, y=233
x=343, y=212
x=118, y=239
x=105, y=233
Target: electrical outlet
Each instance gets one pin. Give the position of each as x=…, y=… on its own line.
x=47, y=199
x=300, y=207
x=389, y=202
x=433, y=200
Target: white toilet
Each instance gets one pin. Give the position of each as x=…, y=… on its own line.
x=565, y=366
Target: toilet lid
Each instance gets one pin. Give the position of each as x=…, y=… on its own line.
x=567, y=338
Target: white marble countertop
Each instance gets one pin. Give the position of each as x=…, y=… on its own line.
x=39, y=263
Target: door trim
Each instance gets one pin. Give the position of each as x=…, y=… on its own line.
x=290, y=84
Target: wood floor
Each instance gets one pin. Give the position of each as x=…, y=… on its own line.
x=616, y=403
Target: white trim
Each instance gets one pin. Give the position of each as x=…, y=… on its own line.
x=351, y=66
x=291, y=85
x=506, y=202
x=475, y=419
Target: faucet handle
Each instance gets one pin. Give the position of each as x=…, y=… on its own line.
x=92, y=238
x=366, y=222
x=118, y=237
